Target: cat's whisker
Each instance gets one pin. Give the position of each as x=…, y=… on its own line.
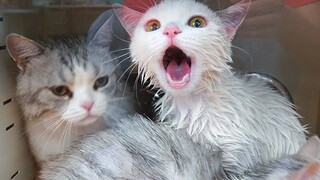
x=66, y=131
x=113, y=59
x=120, y=56
x=131, y=68
x=118, y=64
x=119, y=50
x=52, y=128
x=74, y=115
x=119, y=38
x=117, y=58
x=144, y=74
x=37, y=124
x=244, y=51
x=135, y=86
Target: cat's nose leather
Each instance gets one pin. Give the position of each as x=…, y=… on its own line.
x=87, y=105
x=171, y=31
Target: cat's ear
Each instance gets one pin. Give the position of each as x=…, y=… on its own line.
x=129, y=18
x=233, y=16
x=311, y=148
x=103, y=36
x=21, y=49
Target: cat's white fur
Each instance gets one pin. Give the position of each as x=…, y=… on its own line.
x=246, y=118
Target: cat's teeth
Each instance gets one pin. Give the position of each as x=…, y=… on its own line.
x=178, y=84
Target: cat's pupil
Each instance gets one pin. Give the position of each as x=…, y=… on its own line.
x=61, y=91
x=100, y=82
x=197, y=23
x=154, y=27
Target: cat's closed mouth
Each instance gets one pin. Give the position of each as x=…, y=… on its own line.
x=177, y=66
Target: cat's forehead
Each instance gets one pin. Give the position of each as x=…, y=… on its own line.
x=177, y=10
x=59, y=67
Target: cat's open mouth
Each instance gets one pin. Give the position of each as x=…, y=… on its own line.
x=177, y=66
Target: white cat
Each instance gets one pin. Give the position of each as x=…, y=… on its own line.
x=184, y=48
x=66, y=89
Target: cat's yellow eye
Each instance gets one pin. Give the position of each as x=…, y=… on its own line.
x=152, y=25
x=61, y=91
x=101, y=82
x=197, y=22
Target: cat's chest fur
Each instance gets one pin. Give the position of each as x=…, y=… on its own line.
x=246, y=118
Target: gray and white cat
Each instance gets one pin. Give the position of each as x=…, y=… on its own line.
x=184, y=48
x=136, y=149
x=66, y=89
x=142, y=149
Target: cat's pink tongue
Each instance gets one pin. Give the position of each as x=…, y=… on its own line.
x=178, y=76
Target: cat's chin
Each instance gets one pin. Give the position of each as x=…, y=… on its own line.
x=177, y=66
x=90, y=119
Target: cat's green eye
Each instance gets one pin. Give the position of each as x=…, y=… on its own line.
x=152, y=25
x=197, y=22
x=61, y=91
x=101, y=82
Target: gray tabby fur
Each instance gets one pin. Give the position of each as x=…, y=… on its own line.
x=136, y=149
x=53, y=122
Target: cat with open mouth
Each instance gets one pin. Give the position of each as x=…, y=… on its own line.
x=184, y=48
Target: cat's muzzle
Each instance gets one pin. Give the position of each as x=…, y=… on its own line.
x=174, y=53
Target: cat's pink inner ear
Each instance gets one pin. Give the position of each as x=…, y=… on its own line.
x=309, y=172
x=234, y=15
x=129, y=18
x=21, y=48
x=140, y=5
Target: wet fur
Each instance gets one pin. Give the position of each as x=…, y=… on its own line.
x=246, y=118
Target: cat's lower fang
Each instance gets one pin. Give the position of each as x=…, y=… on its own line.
x=178, y=84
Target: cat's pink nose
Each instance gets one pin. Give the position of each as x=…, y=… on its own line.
x=171, y=31
x=87, y=105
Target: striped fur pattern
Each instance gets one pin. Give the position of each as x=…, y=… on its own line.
x=66, y=89
x=246, y=118
x=136, y=149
